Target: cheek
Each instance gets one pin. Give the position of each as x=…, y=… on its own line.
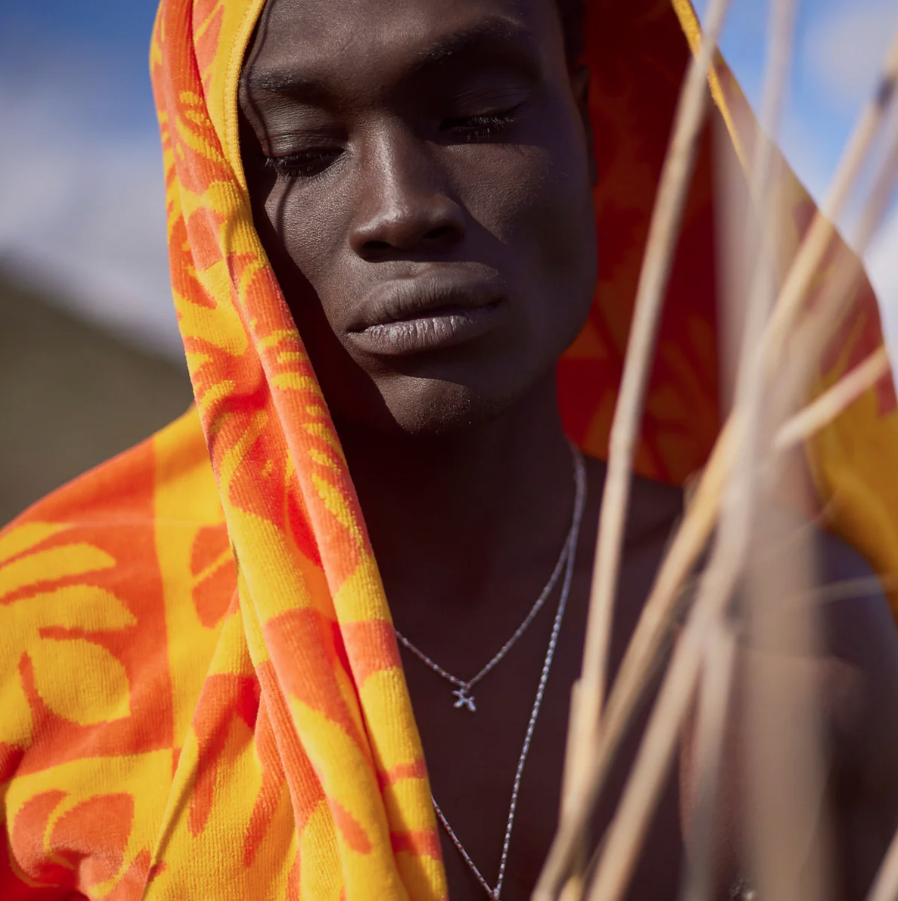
x=299, y=239
x=309, y=225
x=537, y=201
x=559, y=224
x=536, y=194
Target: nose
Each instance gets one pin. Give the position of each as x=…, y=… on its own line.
x=404, y=206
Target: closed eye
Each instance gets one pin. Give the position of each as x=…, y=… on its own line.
x=306, y=164
x=485, y=127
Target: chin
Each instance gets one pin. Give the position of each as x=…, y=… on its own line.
x=446, y=394
x=433, y=408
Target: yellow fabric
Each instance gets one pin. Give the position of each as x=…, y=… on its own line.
x=200, y=690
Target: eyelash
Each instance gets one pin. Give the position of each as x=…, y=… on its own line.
x=302, y=165
x=482, y=128
x=472, y=129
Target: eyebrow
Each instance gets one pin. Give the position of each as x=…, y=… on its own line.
x=490, y=32
x=279, y=81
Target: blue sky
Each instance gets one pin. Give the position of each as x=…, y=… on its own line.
x=102, y=38
x=81, y=196
x=81, y=190
x=839, y=47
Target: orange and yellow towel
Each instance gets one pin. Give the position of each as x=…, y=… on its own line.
x=200, y=690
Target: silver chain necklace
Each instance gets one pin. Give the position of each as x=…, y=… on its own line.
x=462, y=692
x=568, y=556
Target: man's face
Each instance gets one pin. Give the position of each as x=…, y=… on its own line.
x=420, y=177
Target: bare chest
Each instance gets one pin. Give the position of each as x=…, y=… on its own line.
x=474, y=756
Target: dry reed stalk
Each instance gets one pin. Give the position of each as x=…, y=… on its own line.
x=777, y=806
x=623, y=839
x=624, y=836
x=717, y=680
x=626, y=833
x=691, y=537
x=783, y=793
x=699, y=519
x=820, y=412
x=781, y=798
x=787, y=772
x=698, y=522
x=657, y=261
x=847, y=589
x=738, y=504
x=846, y=273
x=823, y=230
x=696, y=527
x=885, y=886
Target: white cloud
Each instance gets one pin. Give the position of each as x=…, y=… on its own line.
x=844, y=48
x=882, y=267
x=82, y=201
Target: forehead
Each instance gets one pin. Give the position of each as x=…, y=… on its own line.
x=367, y=37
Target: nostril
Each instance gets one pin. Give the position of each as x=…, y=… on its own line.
x=377, y=245
x=437, y=234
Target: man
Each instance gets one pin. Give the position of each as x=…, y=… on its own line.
x=420, y=177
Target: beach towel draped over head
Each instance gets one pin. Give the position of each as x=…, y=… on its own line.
x=200, y=691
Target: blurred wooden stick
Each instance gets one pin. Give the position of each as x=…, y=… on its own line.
x=786, y=820
x=697, y=524
x=652, y=765
x=699, y=519
x=885, y=886
x=659, y=743
x=787, y=770
x=832, y=402
x=823, y=229
x=657, y=261
x=717, y=681
x=758, y=244
x=588, y=694
x=847, y=270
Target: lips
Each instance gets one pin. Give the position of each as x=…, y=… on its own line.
x=413, y=315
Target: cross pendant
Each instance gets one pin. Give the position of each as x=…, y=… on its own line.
x=464, y=699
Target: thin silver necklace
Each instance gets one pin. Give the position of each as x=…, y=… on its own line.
x=462, y=693
x=568, y=555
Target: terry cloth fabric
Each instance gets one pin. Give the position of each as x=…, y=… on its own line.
x=200, y=690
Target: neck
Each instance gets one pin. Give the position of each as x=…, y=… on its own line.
x=450, y=517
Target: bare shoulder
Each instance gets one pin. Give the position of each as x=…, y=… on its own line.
x=854, y=603
x=858, y=653
x=855, y=668
x=653, y=507
x=859, y=636
x=859, y=666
